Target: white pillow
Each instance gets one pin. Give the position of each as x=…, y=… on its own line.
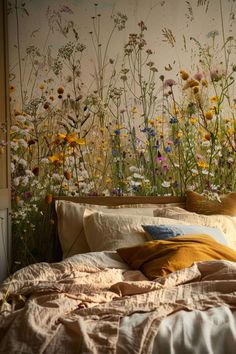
x=112, y=231
x=70, y=222
x=226, y=224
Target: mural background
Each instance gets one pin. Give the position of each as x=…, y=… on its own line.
x=117, y=98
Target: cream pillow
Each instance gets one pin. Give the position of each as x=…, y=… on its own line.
x=226, y=224
x=70, y=222
x=112, y=231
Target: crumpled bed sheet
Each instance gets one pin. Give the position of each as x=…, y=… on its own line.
x=94, y=303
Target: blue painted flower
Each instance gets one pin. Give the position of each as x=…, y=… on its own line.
x=173, y=120
x=152, y=133
x=114, y=152
x=168, y=149
x=177, y=142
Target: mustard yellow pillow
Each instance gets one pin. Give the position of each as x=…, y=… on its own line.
x=162, y=257
x=200, y=204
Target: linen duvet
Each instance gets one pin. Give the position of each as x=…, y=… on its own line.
x=94, y=303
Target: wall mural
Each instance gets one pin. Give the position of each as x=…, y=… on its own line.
x=117, y=98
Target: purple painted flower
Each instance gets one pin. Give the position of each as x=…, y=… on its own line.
x=169, y=83
x=165, y=167
x=198, y=76
x=215, y=75
x=177, y=141
x=160, y=158
x=27, y=195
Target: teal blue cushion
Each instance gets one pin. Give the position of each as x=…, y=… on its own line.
x=163, y=232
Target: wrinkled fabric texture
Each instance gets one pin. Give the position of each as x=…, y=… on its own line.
x=84, y=303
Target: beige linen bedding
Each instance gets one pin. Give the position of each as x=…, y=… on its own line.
x=84, y=303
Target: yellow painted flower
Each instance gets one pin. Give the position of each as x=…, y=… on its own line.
x=214, y=99
x=18, y=113
x=108, y=180
x=204, y=83
x=159, y=119
x=42, y=87
x=151, y=121
x=61, y=136
x=179, y=134
x=99, y=159
x=231, y=131
x=175, y=111
x=193, y=120
x=209, y=115
x=202, y=164
x=73, y=140
x=56, y=159
x=134, y=109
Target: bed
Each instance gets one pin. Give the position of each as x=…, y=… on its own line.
x=107, y=296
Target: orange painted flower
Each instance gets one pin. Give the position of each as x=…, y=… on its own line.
x=184, y=75
x=60, y=90
x=48, y=199
x=17, y=199
x=67, y=175
x=190, y=84
x=207, y=136
x=209, y=115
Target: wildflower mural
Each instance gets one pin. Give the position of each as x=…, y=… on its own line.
x=132, y=109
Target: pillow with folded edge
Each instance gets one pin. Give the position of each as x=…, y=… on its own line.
x=111, y=231
x=226, y=205
x=159, y=258
x=162, y=232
